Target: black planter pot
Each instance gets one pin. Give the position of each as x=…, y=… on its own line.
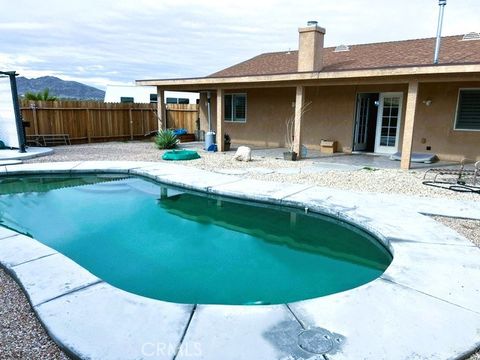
x=226, y=146
x=290, y=155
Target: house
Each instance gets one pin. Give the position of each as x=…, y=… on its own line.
x=146, y=95
x=381, y=98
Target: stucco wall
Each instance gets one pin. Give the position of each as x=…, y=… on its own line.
x=435, y=123
x=332, y=113
x=267, y=110
x=330, y=116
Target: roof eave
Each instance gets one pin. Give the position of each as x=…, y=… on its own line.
x=327, y=75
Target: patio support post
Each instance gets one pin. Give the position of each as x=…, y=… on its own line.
x=161, y=113
x=409, y=125
x=220, y=118
x=297, y=131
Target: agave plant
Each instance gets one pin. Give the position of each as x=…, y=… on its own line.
x=166, y=139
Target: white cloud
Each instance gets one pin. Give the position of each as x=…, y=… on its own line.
x=9, y=60
x=99, y=82
x=23, y=26
x=100, y=42
x=38, y=73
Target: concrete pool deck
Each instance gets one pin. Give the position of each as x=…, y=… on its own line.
x=425, y=305
x=30, y=153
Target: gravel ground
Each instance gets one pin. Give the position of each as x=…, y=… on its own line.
x=268, y=168
x=468, y=228
x=21, y=335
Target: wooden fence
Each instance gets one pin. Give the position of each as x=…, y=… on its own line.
x=182, y=116
x=90, y=121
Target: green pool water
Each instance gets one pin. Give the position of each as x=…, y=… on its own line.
x=178, y=246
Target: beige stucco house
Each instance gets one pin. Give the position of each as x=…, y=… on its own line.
x=380, y=98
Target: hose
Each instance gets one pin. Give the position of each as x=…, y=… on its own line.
x=458, y=187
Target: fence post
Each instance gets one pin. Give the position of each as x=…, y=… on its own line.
x=130, y=118
x=33, y=106
x=166, y=117
x=89, y=126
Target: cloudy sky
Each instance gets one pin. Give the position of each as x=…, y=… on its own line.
x=115, y=42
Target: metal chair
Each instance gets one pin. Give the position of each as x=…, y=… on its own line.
x=461, y=175
x=460, y=181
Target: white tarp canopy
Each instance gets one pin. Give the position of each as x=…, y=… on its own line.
x=8, y=126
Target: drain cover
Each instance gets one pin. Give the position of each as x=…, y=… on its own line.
x=316, y=341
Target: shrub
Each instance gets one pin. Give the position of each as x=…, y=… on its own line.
x=166, y=139
x=42, y=95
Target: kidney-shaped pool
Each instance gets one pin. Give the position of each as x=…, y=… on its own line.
x=184, y=247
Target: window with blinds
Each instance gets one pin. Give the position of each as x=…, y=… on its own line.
x=468, y=110
x=236, y=107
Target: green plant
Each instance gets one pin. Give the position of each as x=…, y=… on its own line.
x=41, y=96
x=166, y=139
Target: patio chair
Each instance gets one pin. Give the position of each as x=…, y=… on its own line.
x=461, y=180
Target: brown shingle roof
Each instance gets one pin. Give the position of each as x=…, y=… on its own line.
x=405, y=53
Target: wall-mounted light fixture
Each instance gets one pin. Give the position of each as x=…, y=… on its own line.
x=427, y=102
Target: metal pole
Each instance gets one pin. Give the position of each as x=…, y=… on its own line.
x=442, y=4
x=209, y=112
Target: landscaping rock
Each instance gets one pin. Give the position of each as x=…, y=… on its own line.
x=244, y=153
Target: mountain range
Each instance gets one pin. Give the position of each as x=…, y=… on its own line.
x=60, y=88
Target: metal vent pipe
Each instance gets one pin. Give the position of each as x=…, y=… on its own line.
x=441, y=4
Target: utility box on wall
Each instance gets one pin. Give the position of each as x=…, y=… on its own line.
x=328, y=146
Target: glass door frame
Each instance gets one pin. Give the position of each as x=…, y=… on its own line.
x=381, y=149
x=362, y=115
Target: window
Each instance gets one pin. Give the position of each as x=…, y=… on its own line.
x=236, y=107
x=468, y=110
x=153, y=98
x=171, y=100
x=126, y=99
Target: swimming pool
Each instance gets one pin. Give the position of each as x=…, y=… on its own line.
x=185, y=247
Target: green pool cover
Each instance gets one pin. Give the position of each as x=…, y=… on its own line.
x=180, y=155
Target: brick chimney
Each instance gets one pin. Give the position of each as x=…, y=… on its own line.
x=310, y=47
